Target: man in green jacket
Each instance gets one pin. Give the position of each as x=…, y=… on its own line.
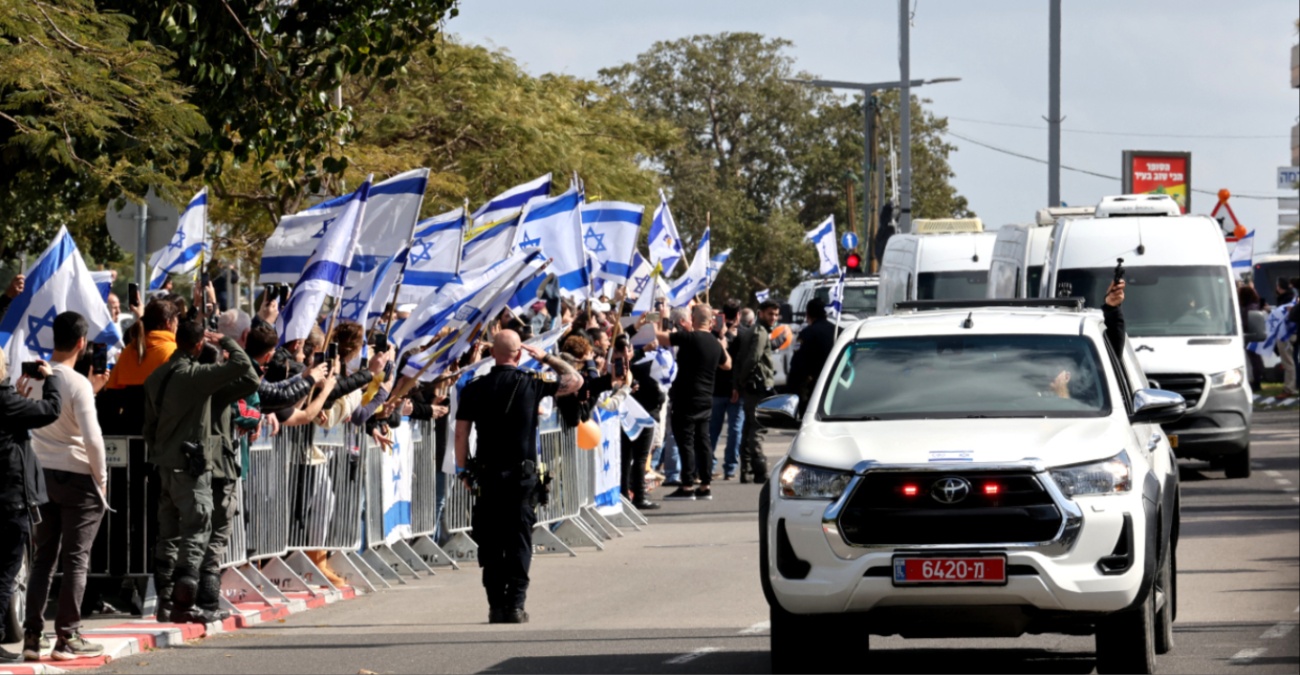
x=752, y=379
x=180, y=443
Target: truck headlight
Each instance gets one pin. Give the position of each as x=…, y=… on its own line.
x=1228, y=379
x=1110, y=476
x=800, y=481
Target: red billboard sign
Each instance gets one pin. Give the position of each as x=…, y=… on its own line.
x=1155, y=172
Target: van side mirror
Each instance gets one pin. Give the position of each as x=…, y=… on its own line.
x=787, y=313
x=1256, y=326
x=1157, y=406
x=779, y=412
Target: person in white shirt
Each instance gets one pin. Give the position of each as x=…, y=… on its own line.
x=71, y=452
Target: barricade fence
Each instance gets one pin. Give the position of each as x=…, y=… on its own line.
x=310, y=489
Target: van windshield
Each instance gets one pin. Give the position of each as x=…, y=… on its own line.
x=952, y=285
x=941, y=377
x=859, y=300
x=1162, y=301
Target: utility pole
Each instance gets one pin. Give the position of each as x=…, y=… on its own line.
x=905, y=117
x=1054, y=106
x=142, y=245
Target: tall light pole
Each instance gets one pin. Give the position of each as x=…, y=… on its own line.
x=905, y=117
x=869, y=110
x=1054, y=106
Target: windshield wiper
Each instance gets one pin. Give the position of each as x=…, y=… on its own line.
x=853, y=418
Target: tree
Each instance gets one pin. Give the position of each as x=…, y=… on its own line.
x=86, y=114
x=761, y=158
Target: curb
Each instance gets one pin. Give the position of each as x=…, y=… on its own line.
x=142, y=635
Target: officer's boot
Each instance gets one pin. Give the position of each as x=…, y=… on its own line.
x=209, y=597
x=162, y=581
x=184, y=595
x=759, y=464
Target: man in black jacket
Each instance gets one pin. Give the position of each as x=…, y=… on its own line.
x=814, y=346
x=22, y=484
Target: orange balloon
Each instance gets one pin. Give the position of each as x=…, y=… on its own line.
x=588, y=435
x=781, y=337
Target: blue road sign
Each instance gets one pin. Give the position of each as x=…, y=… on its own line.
x=849, y=240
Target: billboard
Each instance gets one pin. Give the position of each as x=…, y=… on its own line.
x=1159, y=172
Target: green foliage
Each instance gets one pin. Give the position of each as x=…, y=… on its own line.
x=86, y=113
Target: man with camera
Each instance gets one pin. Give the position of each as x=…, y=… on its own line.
x=177, y=424
x=71, y=452
x=502, y=407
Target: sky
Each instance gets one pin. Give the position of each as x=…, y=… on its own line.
x=1199, y=69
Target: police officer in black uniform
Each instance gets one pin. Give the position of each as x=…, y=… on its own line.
x=503, y=407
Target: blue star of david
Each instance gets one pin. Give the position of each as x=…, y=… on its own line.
x=34, y=326
x=422, y=255
x=640, y=283
x=526, y=243
x=323, y=227
x=354, y=301
x=599, y=245
x=178, y=242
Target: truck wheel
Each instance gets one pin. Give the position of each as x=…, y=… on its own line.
x=1126, y=641
x=17, y=609
x=1166, y=588
x=1238, y=465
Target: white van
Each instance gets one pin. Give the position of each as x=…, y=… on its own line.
x=1020, y=253
x=1180, y=311
x=949, y=261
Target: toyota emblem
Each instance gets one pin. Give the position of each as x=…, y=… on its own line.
x=950, y=490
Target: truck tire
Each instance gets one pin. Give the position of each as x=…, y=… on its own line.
x=1126, y=641
x=1238, y=465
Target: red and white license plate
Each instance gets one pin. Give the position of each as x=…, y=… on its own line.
x=950, y=570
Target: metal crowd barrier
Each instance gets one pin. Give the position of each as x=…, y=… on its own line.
x=424, y=486
x=326, y=480
x=236, y=552
x=266, y=483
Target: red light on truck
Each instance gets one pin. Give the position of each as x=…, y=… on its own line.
x=992, y=489
x=910, y=490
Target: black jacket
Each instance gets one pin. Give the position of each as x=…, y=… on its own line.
x=648, y=392
x=816, y=341
x=1114, y=318
x=22, y=484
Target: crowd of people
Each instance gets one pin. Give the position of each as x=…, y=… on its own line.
x=199, y=384
x=1287, y=312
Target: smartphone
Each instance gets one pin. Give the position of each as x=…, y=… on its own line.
x=653, y=317
x=284, y=294
x=317, y=358
x=99, y=358
x=133, y=294
x=268, y=294
x=211, y=311
x=620, y=368
x=1119, y=270
x=331, y=352
x=381, y=343
x=204, y=280
x=666, y=325
x=32, y=369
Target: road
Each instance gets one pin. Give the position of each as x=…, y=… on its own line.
x=683, y=596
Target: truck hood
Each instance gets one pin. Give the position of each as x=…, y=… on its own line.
x=1207, y=355
x=1056, y=441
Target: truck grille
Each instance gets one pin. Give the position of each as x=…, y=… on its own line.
x=881, y=512
x=1189, y=386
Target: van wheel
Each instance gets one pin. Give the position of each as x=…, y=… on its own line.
x=1166, y=590
x=794, y=638
x=1238, y=465
x=1126, y=641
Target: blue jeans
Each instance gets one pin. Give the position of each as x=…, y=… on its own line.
x=667, y=457
x=735, y=418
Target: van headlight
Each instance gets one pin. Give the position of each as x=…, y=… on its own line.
x=800, y=481
x=1110, y=476
x=1228, y=379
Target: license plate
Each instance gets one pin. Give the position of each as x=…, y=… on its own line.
x=950, y=570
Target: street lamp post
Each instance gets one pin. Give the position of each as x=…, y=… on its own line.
x=869, y=109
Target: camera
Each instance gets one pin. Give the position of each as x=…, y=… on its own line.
x=32, y=369
x=1119, y=270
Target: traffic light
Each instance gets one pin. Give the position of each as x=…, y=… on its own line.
x=853, y=262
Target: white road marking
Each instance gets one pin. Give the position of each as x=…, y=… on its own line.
x=1291, y=489
x=1279, y=630
x=1296, y=499
x=1272, y=474
x=1245, y=656
x=1281, y=481
x=687, y=658
x=760, y=627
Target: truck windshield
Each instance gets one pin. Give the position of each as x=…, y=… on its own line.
x=859, y=300
x=952, y=285
x=1162, y=301
x=944, y=377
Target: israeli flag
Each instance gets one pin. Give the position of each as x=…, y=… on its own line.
x=609, y=231
x=104, y=282
x=58, y=281
x=646, y=301
x=434, y=256
x=663, y=367
x=486, y=245
x=715, y=265
x=546, y=342
x=326, y=272
x=763, y=295
x=1279, y=331
x=554, y=226
x=836, y=305
x=508, y=204
x=1243, y=252
x=696, y=278
x=368, y=291
x=184, y=252
x=634, y=418
x=665, y=243
x=639, y=279
x=823, y=239
x=391, y=211
x=462, y=310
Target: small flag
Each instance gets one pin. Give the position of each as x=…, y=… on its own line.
x=104, y=282
x=823, y=239
x=665, y=243
x=696, y=278
x=609, y=232
x=183, y=254
x=763, y=295
x=1243, y=252
x=554, y=226
x=715, y=265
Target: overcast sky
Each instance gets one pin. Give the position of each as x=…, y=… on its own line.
x=1185, y=67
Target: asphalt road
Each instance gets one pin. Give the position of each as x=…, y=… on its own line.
x=683, y=596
